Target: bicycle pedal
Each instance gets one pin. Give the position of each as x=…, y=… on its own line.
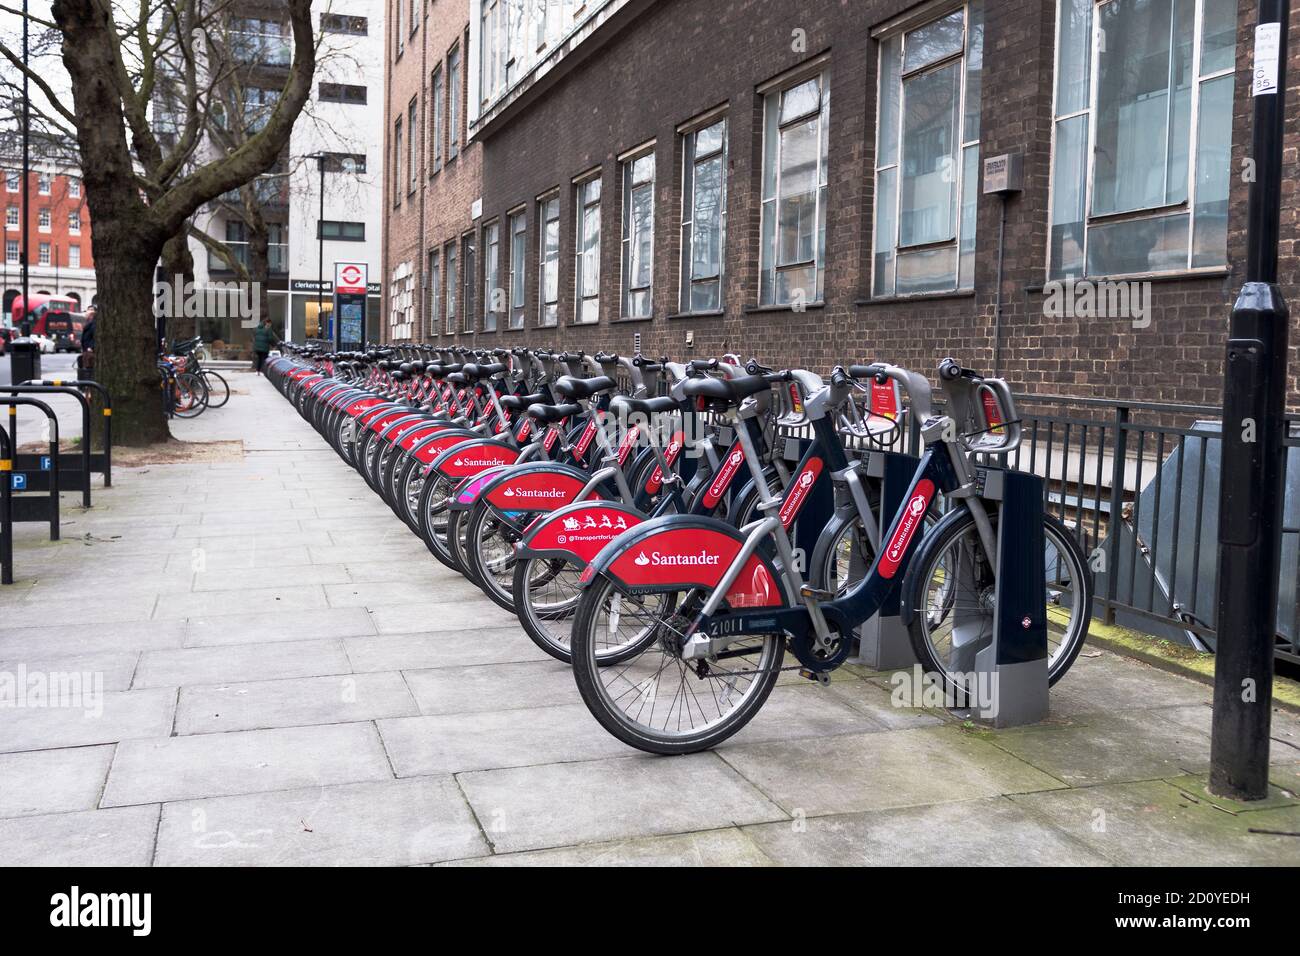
x=821, y=677
x=817, y=594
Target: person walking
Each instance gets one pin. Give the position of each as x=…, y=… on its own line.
x=264, y=339
x=86, y=360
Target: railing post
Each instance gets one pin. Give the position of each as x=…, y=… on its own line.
x=1118, y=466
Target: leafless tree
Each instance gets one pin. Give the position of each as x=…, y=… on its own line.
x=142, y=188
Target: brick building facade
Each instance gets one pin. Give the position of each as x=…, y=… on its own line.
x=60, y=257
x=431, y=184
x=875, y=235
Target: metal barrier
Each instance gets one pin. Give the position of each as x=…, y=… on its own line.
x=76, y=468
x=6, y=511
x=104, y=464
x=33, y=509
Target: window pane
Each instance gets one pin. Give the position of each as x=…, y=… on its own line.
x=970, y=129
x=1213, y=172
x=709, y=139
x=797, y=283
x=927, y=270
x=640, y=236
x=706, y=260
x=1074, y=57
x=590, y=262
x=706, y=296
x=970, y=191
x=887, y=133
x=1143, y=105
x=929, y=198
x=1069, y=176
x=770, y=139
x=934, y=41
x=1219, y=36
x=801, y=100
x=643, y=169
x=1140, y=245
x=886, y=227
x=800, y=147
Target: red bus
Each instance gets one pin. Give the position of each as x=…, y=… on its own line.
x=50, y=316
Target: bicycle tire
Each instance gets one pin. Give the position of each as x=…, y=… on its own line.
x=924, y=565
x=194, y=386
x=219, y=395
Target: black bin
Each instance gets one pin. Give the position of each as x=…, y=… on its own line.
x=24, y=360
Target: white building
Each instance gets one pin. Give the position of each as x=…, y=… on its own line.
x=343, y=121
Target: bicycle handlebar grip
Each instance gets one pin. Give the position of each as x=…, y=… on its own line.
x=950, y=370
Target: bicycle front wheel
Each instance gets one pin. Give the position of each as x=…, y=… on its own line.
x=954, y=598
x=653, y=699
x=218, y=389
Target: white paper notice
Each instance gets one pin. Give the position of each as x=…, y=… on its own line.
x=1268, y=40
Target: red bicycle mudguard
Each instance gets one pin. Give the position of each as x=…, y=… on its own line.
x=468, y=458
x=534, y=486
x=677, y=551
x=578, y=532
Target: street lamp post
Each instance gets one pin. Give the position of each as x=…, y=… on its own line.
x=1251, y=489
x=26, y=204
x=320, y=248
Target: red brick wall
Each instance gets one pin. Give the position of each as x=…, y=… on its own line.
x=60, y=203
x=683, y=57
x=439, y=208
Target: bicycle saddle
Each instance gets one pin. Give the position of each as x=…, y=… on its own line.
x=726, y=391
x=457, y=378
x=576, y=388
x=552, y=413
x=624, y=405
x=516, y=402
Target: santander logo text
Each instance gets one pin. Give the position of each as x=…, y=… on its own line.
x=913, y=517
x=509, y=492
x=699, y=559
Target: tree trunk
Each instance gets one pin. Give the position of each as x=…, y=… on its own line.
x=126, y=242
x=126, y=353
x=177, y=261
x=259, y=263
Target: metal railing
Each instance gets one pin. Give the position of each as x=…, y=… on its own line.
x=1138, y=485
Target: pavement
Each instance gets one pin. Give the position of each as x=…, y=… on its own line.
x=254, y=662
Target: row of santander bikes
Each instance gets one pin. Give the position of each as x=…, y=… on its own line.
x=637, y=514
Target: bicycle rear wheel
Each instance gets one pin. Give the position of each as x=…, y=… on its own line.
x=953, y=596
x=191, y=395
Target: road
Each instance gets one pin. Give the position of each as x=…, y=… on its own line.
x=31, y=422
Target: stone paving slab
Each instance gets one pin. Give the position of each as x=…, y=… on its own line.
x=182, y=768
x=391, y=823
x=90, y=719
x=987, y=832
x=559, y=804
x=282, y=659
x=241, y=662
x=45, y=781
x=881, y=770
x=442, y=649
x=300, y=702
x=123, y=836
x=729, y=847
x=1131, y=824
